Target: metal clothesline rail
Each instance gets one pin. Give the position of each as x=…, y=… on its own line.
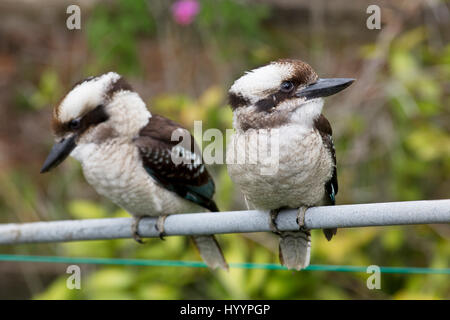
x=342, y=216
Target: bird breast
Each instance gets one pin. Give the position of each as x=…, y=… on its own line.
x=115, y=171
x=293, y=177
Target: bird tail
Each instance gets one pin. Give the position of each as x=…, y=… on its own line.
x=207, y=246
x=295, y=249
x=329, y=233
x=210, y=251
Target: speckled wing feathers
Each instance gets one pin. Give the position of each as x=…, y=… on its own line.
x=190, y=180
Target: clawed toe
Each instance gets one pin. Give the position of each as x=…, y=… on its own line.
x=160, y=227
x=137, y=238
x=301, y=218
x=272, y=222
x=134, y=230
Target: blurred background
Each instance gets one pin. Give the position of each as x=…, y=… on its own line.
x=391, y=130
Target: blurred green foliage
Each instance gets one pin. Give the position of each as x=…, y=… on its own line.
x=112, y=33
x=234, y=27
x=413, y=163
x=417, y=101
x=47, y=92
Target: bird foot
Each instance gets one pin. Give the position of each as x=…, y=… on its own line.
x=272, y=221
x=135, y=227
x=301, y=218
x=160, y=226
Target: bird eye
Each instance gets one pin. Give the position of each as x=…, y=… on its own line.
x=287, y=86
x=75, y=124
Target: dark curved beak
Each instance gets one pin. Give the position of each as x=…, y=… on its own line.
x=324, y=88
x=59, y=153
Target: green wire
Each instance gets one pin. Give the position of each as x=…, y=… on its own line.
x=198, y=264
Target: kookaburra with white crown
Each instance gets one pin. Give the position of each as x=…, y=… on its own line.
x=126, y=155
x=284, y=99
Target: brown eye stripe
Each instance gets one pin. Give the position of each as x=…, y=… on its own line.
x=237, y=101
x=93, y=117
x=273, y=100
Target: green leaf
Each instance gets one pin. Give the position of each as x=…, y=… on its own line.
x=83, y=209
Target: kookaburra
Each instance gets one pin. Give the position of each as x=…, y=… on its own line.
x=126, y=155
x=284, y=100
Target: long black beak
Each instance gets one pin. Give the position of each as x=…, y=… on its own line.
x=59, y=152
x=324, y=88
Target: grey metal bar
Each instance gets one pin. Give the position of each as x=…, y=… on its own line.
x=343, y=216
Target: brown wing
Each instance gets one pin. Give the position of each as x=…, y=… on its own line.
x=175, y=164
x=331, y=187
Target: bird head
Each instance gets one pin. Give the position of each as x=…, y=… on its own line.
x=282, y=92
x=95, y=110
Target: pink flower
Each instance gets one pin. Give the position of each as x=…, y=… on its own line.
x=184, y=11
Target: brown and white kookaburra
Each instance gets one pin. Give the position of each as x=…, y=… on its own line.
x=126, y=155
x=283, y=100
